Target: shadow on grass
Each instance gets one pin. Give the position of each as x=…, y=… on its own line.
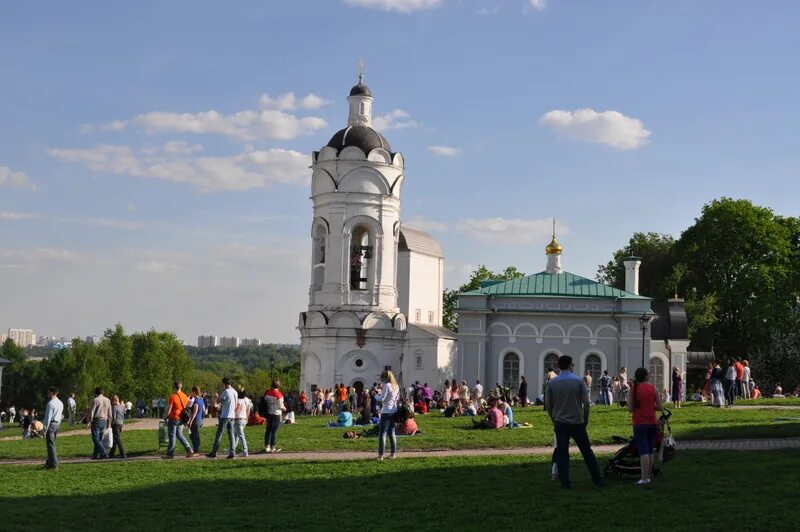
x=464, y=494
x=777, y=429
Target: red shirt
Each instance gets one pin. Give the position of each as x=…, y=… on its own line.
x=645, y=412
x=178, y=401
x=495, y=418
x=739, y=370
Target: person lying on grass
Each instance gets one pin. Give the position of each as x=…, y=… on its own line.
x=493, y=419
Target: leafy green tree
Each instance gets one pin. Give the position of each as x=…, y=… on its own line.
x=741, y=254
x=91, y=371
x=779, y=361
x=657, y=278
x=116, y=349
x=151, y=380
x=450, y=297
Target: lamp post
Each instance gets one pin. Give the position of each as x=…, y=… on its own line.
x=644, y=320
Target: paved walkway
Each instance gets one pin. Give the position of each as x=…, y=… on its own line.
x=698, y=445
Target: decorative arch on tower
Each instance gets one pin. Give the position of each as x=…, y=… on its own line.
x=365, y=180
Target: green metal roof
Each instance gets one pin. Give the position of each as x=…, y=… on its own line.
x=552, y=285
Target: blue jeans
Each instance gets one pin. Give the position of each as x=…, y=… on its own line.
x=565, y=431
x=224, y=424
x=98, y=426
x=194, y=434
x=50, y=436
x=271, y=434
x=238, y=435
x=386, y=426
x=175, y=429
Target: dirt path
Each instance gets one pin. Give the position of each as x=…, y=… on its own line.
x=701, y=445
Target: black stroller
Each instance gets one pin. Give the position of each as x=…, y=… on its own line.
x=626, y=460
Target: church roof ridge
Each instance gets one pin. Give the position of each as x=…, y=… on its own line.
x=563, y=284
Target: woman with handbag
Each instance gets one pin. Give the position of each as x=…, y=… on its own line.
x=390, y=395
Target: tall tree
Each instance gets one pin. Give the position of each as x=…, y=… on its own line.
x=741, y=254
x=657, y=252
x=116, y=349
x=482, y=273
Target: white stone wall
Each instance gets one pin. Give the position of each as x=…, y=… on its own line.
x=420, y=283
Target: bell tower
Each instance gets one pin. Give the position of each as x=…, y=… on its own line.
x=353, y=327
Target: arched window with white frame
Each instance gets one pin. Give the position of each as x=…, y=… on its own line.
x=594, y=365
x=361, y=248
x=656, y=370
x=511, y=371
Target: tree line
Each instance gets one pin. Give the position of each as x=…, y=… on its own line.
x=140, y=365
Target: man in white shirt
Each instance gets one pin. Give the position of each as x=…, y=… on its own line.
x=53, y=413
x=225, y=422
x=477, y=391
x=72, y=406
x=746, y=379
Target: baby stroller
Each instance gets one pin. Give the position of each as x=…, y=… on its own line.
x=626, y=460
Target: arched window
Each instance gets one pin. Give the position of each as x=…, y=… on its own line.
x=550, y=362
x=511, y=371
x=595, y=367
x=360, y=258
x=657, y=373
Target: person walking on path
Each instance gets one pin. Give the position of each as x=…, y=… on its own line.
x=198, y=406
x=273, y=407
x=176, y=404
x=72, y=407
x=567, y=404
x=644, y=402
x=241, y=413
x=99, y=416
x=227, y=399
x=390, y=395
x=53, y=413
x=117, y=421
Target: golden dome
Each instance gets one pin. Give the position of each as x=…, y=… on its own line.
x=554, y=247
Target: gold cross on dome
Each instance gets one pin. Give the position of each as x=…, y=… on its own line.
x=361, y=66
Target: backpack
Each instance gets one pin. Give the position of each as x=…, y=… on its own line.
x=186, y=413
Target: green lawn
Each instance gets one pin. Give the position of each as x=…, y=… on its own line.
x=500, y=493
x=692, y=422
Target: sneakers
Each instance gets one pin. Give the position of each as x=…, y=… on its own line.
x=380, y=459
x=168, y=456
x=392, y=456
x=245, y=454
x=231, y=457
x=276, y=450
x=268, y=449
x=642, y=482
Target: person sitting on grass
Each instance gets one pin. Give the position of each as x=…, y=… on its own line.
x=345, y=418
x=408, y=427
x=493, y=419
x=421, y=407
x=508, y=415
x=778, y=394
x=471, y=409
x=797, y=391
x=365, y=418
x=454, y=410
x=755, y=393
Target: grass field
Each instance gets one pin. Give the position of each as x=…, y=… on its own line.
x=698, y=491
x=692, y=422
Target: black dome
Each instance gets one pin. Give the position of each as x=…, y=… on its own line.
x=360, y=90
x=364, y=137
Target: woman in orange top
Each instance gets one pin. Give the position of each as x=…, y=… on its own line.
x=644, y=402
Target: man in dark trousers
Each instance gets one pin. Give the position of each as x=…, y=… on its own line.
x=567, y=404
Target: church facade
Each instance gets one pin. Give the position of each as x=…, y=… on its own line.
x=375, y=293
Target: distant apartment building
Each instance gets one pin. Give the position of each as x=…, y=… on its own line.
x=204, y=342
x=93, y=339
x=22, y=337
x=229, y=341
x=250, y=342
x=3, y=337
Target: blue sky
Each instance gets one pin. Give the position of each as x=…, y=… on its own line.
x=153, y=169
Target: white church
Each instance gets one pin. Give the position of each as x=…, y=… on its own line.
x=375, y=299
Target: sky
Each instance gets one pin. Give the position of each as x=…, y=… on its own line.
x=154, y=156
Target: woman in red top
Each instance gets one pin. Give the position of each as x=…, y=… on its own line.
x=644, y=402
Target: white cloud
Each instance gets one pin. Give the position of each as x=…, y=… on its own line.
x=253, y=169
x=397, y=119
x=607, y=127
x=14, y=179
x=425, y=224
x=509, y=230
x=36, y=257
x=113, y=223
x=447, y=151
x=402, y=6
x=153, y=266
x=486, y=11
x=16, y=216
x=288, y=102
x=115, y=125
x=538, y=5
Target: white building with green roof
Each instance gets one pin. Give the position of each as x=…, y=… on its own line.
x=510, y=329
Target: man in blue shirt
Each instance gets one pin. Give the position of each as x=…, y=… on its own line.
x=227, y=398
x=53, y=413
x=196, y=421
x=567, y=404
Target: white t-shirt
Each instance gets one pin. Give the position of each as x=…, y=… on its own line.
x=242, y=410
x=72, y=404
x=478, y=390
x=227, y=400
